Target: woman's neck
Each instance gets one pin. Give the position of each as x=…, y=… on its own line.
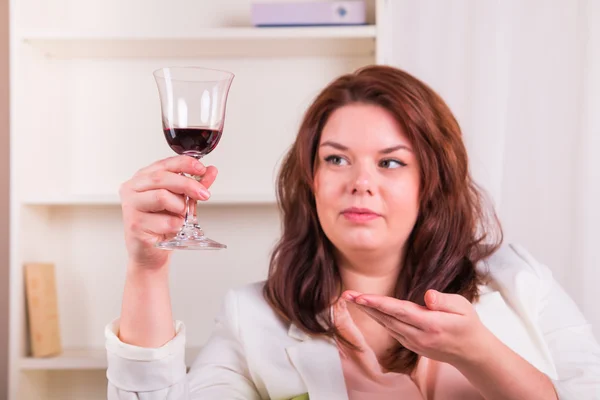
x=370, y=273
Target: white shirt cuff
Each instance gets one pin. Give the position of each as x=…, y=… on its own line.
x=139, y=369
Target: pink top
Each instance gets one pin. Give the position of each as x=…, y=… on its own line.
x=431, y=380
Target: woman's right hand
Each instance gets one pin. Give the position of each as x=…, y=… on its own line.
x=153, y=206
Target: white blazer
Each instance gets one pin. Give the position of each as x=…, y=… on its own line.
x=253, y=355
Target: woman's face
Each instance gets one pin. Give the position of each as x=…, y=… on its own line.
x=366, y=180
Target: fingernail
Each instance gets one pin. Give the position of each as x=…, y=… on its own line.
x=205, y=194
x=360, y=301
x=199, y=166
x=348, y=297
x=433, y=297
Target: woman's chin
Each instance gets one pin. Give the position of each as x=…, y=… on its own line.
x=359, y=243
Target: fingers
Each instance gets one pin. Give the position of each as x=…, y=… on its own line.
x=445, y=302
x=346, y=326
x=366, y=358
x=176, y=164
x=158, y=200
x=350, y=294
x=405, y=311
x=209, y=176
x=155, y=224
x=397, y=328
x=172, y=182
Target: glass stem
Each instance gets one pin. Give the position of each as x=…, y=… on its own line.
x=191, y=220
x=190, y=212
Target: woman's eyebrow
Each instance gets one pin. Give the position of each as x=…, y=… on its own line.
x=335, y=145
x=392, y=149
x=387, y=150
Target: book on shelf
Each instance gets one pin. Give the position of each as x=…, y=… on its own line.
x=42, y=309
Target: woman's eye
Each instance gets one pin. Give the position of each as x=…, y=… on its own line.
x=336, y=160
x=391, y=164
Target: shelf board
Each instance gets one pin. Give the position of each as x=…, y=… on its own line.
x=113, y=200
x=78, y=359
x=215, y=42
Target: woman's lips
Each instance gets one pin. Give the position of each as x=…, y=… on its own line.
x=359, y=214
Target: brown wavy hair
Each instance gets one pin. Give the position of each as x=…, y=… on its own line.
x=454, y=228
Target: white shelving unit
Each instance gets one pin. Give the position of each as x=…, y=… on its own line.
x=113, y=200
x=216, y=42
x=85, y=116
x=82, y=359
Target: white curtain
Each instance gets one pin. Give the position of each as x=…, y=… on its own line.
x=523, y=79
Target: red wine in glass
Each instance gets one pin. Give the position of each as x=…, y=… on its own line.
x=200, y=141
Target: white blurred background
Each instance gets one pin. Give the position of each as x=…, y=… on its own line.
x=523, y=78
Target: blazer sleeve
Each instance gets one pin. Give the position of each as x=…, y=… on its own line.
x=569, y=337
x=219, y=372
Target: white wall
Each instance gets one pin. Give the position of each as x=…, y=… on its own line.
x=522, y=79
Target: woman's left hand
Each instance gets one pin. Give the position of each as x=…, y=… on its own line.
x=448, y=329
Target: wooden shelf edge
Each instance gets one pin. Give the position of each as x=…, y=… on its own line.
x=108, y=200
x=218, y=42
x=226, y=33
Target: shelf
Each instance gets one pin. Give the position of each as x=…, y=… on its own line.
x=82, y=359
x=216, y=42
x=113, y=200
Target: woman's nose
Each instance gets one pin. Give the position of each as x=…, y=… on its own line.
x=362, y=182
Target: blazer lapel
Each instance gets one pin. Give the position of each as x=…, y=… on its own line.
x=317, y=360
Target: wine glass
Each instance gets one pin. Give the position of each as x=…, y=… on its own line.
x=193, y=104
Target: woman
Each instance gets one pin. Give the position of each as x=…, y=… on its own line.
x=389, y=281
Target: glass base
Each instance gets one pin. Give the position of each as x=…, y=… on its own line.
x=190, y=238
